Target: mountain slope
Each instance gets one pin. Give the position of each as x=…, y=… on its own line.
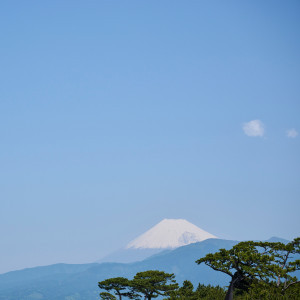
x=78, y=282
x=129, y=255
x=167, y=234
x=170, y=233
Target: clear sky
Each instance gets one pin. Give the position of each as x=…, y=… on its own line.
x=117, y=114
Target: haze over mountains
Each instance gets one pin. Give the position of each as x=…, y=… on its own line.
x=80, y=282
x=178, y=242
x=164, y=236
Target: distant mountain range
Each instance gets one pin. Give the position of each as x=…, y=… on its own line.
x=173, y=246
x=79, y=282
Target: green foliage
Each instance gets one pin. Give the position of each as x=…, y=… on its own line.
x=154, y=283
x=256, y=266
x=210, y=292
x=150, y=284
x=120, y=286
x=268, y=292
x=285, y=265
x=246, y=258
x=258, y=270
x=107, y=296
x=186, y=292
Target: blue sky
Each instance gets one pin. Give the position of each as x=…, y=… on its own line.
x=117, y=114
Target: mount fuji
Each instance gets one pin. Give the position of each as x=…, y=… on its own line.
x=164, y=236
x=170, y=234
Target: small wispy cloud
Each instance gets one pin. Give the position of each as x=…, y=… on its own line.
x=291, y=133
x=254, y=128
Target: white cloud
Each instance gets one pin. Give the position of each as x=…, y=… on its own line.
x=254, y=128
x=291, y=133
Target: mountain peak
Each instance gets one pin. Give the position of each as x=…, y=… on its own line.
x=170, y=233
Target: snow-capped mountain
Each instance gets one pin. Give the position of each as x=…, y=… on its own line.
x=165, y=236
x=170, y=233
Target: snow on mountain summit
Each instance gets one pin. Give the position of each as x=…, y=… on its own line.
x=170, y=233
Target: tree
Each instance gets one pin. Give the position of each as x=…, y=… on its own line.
x=284, y=255
x=249, y=263
x=107, y=296
x=153, y=283
x=120, y=285
x=210, y=292
x=207, y=292
x=186, y=292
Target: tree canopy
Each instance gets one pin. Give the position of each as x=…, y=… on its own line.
x=120, y=286
x=249, y=263
x=186, y=292
x=258, y=270
x=154, y=283
x=107, y=296
x=149, y=284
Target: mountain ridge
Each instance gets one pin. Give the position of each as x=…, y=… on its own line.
x=80, y=282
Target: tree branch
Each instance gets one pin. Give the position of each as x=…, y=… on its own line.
x=292, y=283
x=223, y=271
x=283, y=265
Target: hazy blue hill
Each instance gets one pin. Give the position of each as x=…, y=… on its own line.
x=24, y=276
x=79, y=282
x=181, y=261
x=129, y=255
x=275, y=239
x=72, y=282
